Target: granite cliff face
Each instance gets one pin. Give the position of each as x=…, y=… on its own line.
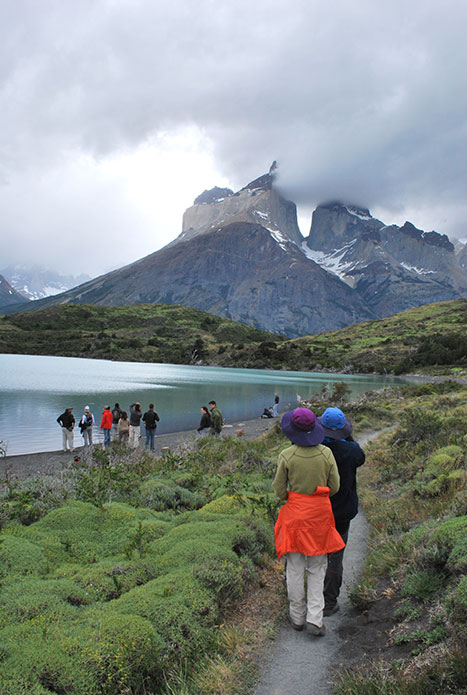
x=241, y=255
x=257, y=203
x=391, y=268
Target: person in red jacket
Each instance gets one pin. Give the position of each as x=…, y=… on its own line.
x=106, y=424
x=305, y=531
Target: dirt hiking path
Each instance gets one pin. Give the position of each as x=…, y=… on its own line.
x=299, y=663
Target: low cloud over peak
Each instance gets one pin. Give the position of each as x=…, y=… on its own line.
x=360, y=101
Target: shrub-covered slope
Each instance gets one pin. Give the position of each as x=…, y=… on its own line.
x=143, y=333
x=430, y=339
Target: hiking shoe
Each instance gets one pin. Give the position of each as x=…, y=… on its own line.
x=295, y=626
x=313, y=629
x=330, y=610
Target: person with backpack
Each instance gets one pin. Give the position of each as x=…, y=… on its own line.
x=116, y=415
x=85, y=425
x=150, y=418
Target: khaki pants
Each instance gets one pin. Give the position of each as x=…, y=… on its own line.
x=67, y=439
x=306, y=607
x=134, y=436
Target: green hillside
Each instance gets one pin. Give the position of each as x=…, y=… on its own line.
x=431, y=339
x=139, y=333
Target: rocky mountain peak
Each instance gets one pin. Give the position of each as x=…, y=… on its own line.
x=214, y=195
x=258, y=202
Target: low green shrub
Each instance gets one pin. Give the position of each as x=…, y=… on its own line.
x=18, y=556
x=79, y=531
x=180, y=608
x=28, y=598
x=99, y=655
x=109, y=579
x=160, y=494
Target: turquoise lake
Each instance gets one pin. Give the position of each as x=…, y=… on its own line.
x=36, y=389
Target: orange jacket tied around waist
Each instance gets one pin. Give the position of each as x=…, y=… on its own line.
x=306, y=525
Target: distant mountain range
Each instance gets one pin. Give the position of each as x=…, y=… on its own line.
x=36, y=282
x=241, y=255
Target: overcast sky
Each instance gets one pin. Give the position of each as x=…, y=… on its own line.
x=116, y=114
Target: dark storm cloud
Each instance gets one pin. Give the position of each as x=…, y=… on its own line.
x=363, y=101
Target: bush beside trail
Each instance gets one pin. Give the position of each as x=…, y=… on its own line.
x=100, y=596
x=413, y=590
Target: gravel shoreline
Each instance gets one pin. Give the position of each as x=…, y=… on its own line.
x=50, y=462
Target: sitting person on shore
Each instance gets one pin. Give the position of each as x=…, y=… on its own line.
x=205, y=422
x=305, y=531
x=123, y=428
x=349, y=456
x=275, y=411
x=266, y=413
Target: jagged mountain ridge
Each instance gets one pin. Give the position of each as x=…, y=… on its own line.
x=392, y=268
x=242, y=255
x=8, y=295
x=35, y=282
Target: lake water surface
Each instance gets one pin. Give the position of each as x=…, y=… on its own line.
x=34, y=390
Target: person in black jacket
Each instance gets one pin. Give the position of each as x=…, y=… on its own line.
x=67, y=423
x=150, y=418
x=135, y=418
x=349, y=456
x=205, y=422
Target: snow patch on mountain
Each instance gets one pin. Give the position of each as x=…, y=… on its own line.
x=420, y=271
x=279, y=238
x=332, y=262
x=357, y=212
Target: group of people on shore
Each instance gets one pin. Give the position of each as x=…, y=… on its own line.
x=316, y=477
x=116, y=425
x=119, y=425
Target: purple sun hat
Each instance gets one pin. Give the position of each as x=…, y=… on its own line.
x=302, y=427
x=335, y=424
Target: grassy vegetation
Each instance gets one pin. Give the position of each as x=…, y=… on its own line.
x=413, y=489
x=431, y=339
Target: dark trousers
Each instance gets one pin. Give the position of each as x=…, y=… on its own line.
x=150, y=436
x=333, y=578
x=106, y=437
